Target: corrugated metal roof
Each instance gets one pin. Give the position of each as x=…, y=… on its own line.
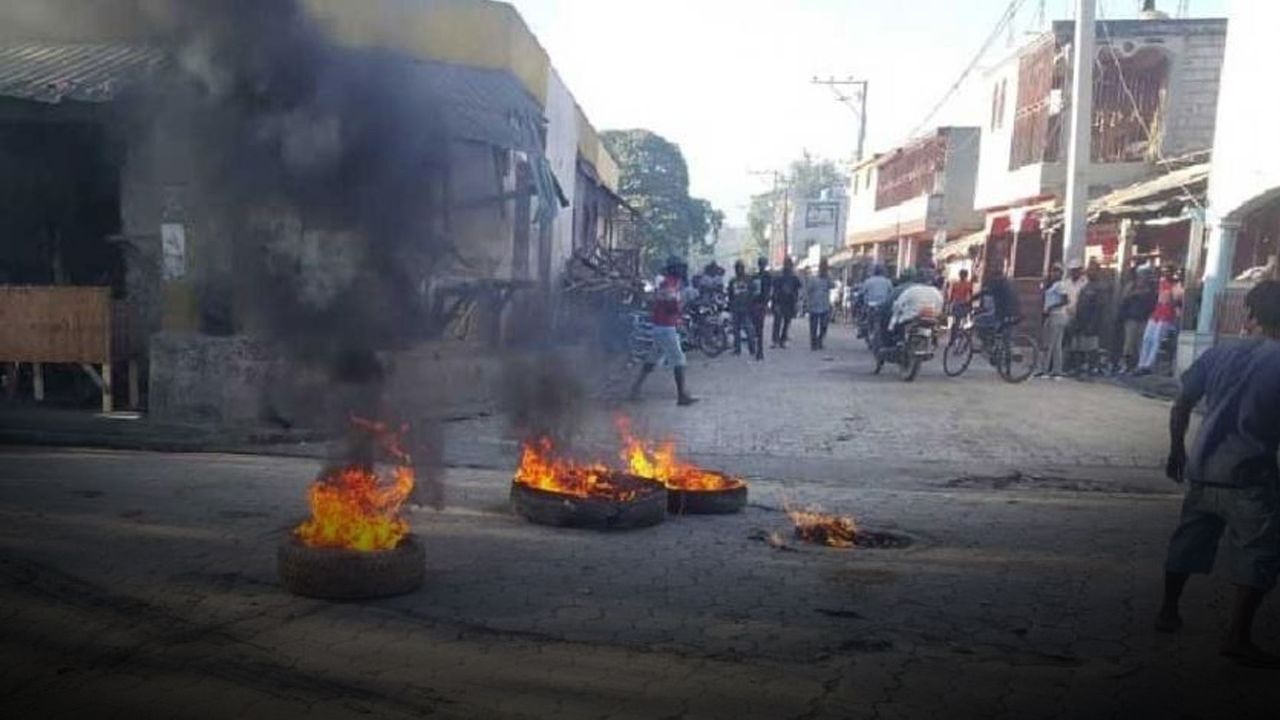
x=1171, y=192
x=84, y=72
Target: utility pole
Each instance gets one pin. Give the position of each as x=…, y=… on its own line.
x=781, y=182
x=857, y=104
x=1079, y=151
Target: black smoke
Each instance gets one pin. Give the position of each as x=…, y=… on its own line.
x=303, y=153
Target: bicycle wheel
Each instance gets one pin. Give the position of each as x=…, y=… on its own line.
x=958, y=353
x=1018, y=360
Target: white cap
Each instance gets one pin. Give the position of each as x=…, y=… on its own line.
x=1075, y=265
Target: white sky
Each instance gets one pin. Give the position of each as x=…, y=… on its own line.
x=729, y=80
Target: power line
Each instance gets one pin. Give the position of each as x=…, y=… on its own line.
x=1006, y=20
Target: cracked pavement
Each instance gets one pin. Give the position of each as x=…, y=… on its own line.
x=144, y=584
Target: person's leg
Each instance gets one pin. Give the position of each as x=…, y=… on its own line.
x=813, y=331
x=824, y=320
x=777, y=328
x=757, y=324
x=786, y=327
x=1253, y=531
x=673, y=355
x=739, y=325
x=1057, y=337
x=1150, y=346
x=1192, y=550
x=1132, y=341
x=644, y=373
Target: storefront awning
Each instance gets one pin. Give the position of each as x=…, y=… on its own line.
x=961, y=247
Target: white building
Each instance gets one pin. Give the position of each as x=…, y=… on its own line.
x=1154, y=99
x=909, y=201
x=1244, y=183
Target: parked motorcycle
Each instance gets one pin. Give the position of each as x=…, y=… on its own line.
x=706, y=326
x=910, y=347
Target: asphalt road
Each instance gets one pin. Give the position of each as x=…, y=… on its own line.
x=144, y=584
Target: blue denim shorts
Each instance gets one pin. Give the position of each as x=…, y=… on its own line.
x=666, y=347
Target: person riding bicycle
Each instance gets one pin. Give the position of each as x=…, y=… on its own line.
x=999, y=305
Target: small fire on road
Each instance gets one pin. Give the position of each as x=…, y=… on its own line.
x=821, y=528
x=351, y=507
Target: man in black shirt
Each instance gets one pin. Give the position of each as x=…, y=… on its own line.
x=761, y=294
x=786, y=294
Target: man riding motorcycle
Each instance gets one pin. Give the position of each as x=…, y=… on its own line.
x=912, y=298
x=874, y=293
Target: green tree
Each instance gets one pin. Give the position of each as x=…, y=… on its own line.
x=655, y=181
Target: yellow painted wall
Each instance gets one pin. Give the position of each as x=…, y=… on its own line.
x=477, y=33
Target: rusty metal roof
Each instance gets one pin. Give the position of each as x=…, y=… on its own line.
x=83, y=72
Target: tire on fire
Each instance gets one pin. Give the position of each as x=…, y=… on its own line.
x=341, y=574
x=648, y=507
x=725, y=501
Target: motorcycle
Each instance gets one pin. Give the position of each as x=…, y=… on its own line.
x=706, y=327
x=867, y=317
x=912, y=345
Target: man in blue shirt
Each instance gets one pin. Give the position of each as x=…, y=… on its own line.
x=1234, y=481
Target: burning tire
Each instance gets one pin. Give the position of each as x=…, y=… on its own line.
x=707, y=502
x=340, y=574
x=645, y=507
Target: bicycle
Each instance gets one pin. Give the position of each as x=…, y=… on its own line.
x=1013, y=356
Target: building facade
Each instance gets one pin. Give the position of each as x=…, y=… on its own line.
x=913, y=200
x=1243, y=213
x=1154, y=98
x=523, y=181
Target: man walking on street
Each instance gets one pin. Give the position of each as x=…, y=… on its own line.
x=669, y=296
x=1233, y=477
x=1055, y=323
x=761, y=294
x=817, y=294
x=740, y=308
x=786, y=295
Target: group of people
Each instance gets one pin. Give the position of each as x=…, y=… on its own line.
x=752, y=297
x=1076, y=316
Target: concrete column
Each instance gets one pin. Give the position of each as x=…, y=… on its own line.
x=1217, y=272
x=1195, y=248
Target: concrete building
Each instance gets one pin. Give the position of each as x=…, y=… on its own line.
x=525, y=181
x=913, y=200
x=1154, y=98
x=1243, y=213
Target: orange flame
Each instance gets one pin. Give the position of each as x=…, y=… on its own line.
x=659, y=462
x=821, y=528
x=352, y=509
x=541, y=468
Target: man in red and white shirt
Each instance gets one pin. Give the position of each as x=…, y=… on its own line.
x=668, y=300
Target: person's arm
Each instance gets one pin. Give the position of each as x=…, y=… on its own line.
x=1193, y=389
